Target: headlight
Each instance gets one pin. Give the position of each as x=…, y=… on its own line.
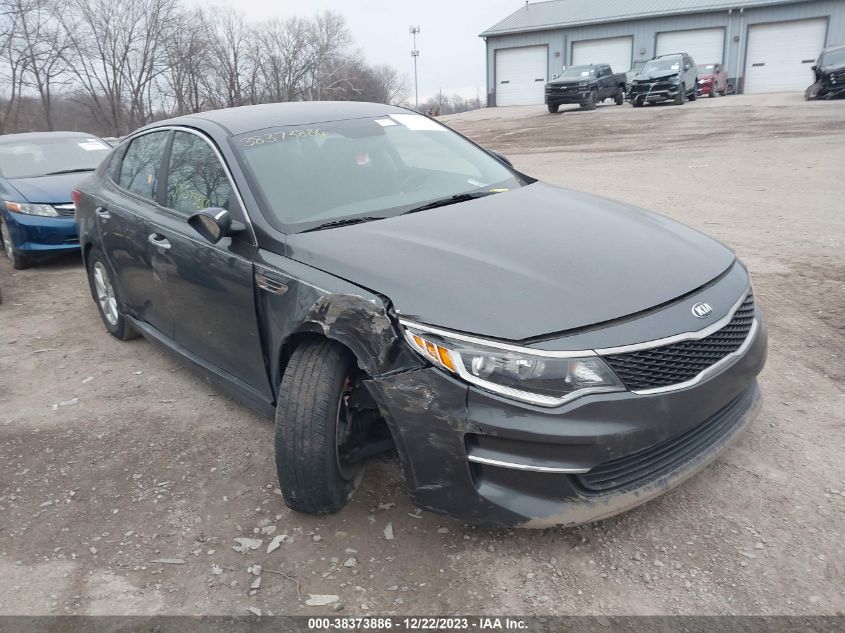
x=583, y=84
x=536, y=378
x=31, y=209
x=675, y=79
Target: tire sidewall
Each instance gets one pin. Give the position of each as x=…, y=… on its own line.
x=119, y=329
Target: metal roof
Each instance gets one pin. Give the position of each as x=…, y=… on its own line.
x=566, y=13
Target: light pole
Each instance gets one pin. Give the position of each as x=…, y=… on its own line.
x=415, y=53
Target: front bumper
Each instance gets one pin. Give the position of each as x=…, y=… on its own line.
x=34, y=235
x=452, y=440
x=654, y=94
x=567, y=98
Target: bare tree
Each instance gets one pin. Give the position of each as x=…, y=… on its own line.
x=188, y=63
x=44, y=45
x=118, y=51
x=12, y=65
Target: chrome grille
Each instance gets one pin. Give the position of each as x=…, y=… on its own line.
x=679, y=362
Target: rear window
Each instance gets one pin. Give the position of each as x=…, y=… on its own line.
x=141, y=164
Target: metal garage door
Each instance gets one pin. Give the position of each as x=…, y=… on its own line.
x=706, y=46
x=615, y=51
x=780, y=55
x=521, y=75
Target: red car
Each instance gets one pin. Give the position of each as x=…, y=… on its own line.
x=712, y=80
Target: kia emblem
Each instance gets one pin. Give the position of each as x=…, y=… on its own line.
x=702, y=310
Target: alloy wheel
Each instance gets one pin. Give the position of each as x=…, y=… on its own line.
x=105, y=293
x=7, y=241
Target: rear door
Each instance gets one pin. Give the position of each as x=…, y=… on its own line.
x=121, y=212
x=209, y=287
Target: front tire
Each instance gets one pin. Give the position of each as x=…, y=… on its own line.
x=590, y=104
x=681, y=96
x=619, y=98
x=313, y=399
x=694, y=94
x=18, y=259
x=105, y=296
x=553, y=108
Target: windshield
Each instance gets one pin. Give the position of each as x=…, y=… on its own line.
x=705, y=69
x=833, y=58
x=32, y=158
x=309, y=175
x=663, y=66
x=577, y=71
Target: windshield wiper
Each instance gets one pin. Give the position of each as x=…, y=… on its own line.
x=461, y=197
x=343, y=222
x=69, y=171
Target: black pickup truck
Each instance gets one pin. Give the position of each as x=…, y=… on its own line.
x=586, y=86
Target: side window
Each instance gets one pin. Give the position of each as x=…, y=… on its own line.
x=195, y=178
x=141, y=162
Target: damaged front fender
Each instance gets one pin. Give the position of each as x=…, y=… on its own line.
x=288, y=305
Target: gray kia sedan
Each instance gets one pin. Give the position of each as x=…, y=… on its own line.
x=536, y=356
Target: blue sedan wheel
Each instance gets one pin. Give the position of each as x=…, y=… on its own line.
x=19, y=261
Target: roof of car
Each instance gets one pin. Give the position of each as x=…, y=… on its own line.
x=40, y=136
x=255, y=117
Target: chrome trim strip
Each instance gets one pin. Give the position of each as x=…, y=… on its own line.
x=622, y=349
x=210, y=142
x=494, y=344
x=678, y=338
x=708, y=371
x=537, y=469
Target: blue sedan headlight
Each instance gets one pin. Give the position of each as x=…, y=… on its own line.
x=28, y=208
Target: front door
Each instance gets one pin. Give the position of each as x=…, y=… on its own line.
x=209, y=287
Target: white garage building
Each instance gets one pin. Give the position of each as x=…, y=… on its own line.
x=765, y=45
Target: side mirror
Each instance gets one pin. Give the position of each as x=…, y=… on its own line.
x=814, y=68
x=500, y=157
x=214, y=224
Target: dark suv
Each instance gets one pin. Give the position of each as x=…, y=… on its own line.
x=666, y=77
x=829, y=75
x=536, y=356
x=585, y=86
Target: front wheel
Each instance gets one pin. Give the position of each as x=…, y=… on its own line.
x=18, y=259
x=319, y=429
x=681, y=96
x=694, y=94
x=553, y=108
x=590, y=103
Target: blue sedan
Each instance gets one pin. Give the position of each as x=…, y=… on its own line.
x=38, y=171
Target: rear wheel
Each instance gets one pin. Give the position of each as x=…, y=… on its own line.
x=106, y=298
x=619, y=97
x=18, y=259
x=553, y=108
x=320, y=429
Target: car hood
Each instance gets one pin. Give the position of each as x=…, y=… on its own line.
x=48, y=189
x=569, y=82
x=832, y=68
x=534, y=261
x=650, y=77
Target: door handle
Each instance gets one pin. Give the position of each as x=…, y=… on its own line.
x=157, y=240
x=103, y=212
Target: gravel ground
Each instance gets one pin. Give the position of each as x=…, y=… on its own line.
x=115, y=456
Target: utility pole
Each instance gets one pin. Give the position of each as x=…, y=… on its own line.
x=415, y=53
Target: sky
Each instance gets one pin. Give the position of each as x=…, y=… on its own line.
x=451, y=53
